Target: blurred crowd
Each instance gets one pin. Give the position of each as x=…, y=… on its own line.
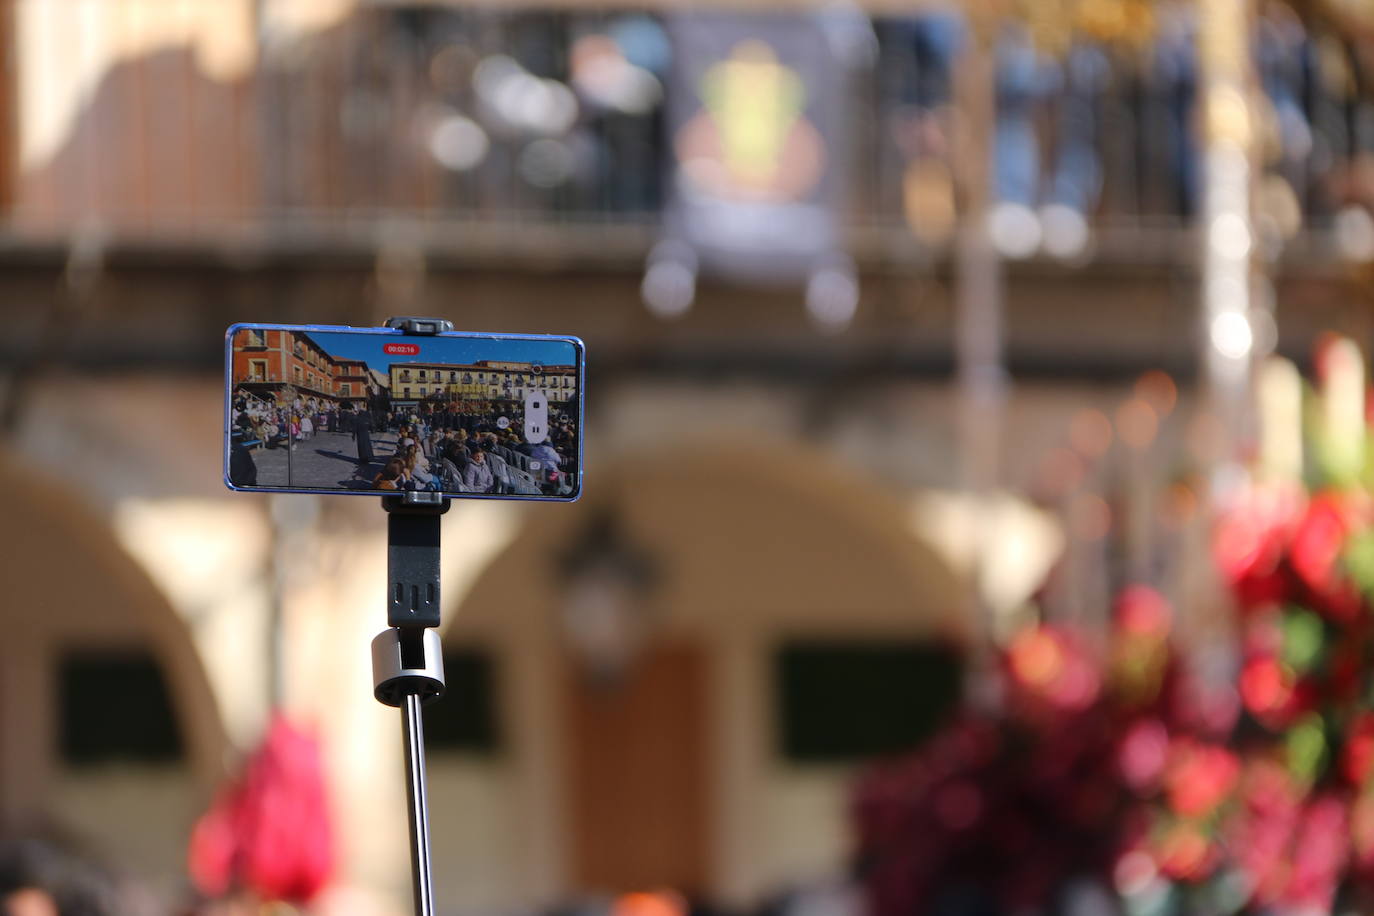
x=43, y=873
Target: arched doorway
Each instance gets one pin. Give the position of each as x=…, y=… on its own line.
x=85, y=629
x=668, y=774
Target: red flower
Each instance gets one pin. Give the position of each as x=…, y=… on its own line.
x=1315, y=555
x=1142, y=612
x=1271, y=692
x=1185, y=853
x=1049, y=666
x=1248, y=547
x=269, y=830
x=1347, y=673
x=1357, y=757
x=1362, y=835
x=1199, y=777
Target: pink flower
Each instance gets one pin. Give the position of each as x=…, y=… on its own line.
x=1259, y=835
x=1320, y=852
x=1143, y=753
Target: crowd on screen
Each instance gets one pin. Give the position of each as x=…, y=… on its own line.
x=454, y=446
x=271, y=423
x=468, y=446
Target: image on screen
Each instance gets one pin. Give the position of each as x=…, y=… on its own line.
x=314, y=409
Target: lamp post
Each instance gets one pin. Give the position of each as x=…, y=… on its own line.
x=607, y=581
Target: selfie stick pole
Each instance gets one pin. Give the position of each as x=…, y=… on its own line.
x=407, y=658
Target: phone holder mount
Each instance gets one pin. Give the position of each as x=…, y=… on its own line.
x=407, y=657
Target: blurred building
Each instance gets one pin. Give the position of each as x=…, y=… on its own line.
x=671, y=682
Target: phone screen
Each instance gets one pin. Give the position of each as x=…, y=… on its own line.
x=372, y=410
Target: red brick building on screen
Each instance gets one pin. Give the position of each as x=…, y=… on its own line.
x=267, y=362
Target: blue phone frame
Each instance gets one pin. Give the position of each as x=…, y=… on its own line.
x=579, y=348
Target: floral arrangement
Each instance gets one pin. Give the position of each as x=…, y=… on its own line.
x=267, y=836
x=1118, y=768
x=1001, y=812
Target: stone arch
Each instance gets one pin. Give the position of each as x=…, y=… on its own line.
x=734, y=517
x=67, y=578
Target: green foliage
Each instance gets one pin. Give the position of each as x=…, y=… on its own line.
x=1359, y=561
x=1306, y=748
x=1303, y=638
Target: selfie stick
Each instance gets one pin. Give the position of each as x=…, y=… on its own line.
x=407, y=658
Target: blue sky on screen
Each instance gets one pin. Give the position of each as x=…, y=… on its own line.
x=460, y=350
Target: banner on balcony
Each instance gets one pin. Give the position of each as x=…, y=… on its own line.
x=755, y=120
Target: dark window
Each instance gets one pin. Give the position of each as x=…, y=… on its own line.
x=465, y=719
x=115, y=706
x=840, y=701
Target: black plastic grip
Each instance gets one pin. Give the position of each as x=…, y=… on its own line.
x=412, y=560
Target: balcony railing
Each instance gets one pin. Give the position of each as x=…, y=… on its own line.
x=528, y=131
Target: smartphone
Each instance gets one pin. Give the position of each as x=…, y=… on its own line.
x=319, y=409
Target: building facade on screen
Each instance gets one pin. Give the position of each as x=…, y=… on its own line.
x=484, y=380
x=277, y=365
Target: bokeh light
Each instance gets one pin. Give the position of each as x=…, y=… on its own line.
x=1137, y=423
x=1156, y=387
x=1090, y=432
x=1090, y=516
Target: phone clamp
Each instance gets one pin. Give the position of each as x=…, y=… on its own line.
x=425, y=327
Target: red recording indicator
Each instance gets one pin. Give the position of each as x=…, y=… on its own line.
x=401, y=349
